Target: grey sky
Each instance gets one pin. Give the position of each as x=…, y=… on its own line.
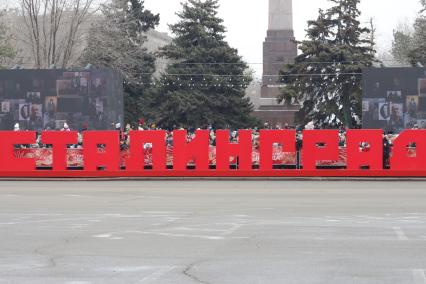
x=247, y=20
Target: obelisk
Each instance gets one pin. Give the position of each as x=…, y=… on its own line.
x=280, y=15
x=279, y=48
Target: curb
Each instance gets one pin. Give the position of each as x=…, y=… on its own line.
x=283, y=179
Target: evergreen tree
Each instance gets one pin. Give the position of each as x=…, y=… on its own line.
x=417, y=54
x=409, y=44
x=326, y=77
x=6, y=49
x=402, y=45
x=117, y=41
x=206, y=81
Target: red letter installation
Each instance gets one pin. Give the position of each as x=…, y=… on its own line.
x=319, y=145
x=400, y=160
x=197, y=150
x=225, y=150
x=8, y=140
x=364, y=149
x=287, y=138
x=101, y=149
x=101, y=154
x=59, y=142
x=138, y=141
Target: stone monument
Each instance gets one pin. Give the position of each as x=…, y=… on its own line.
x=279, y=48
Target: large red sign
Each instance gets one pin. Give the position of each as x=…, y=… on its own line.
x=319, y=156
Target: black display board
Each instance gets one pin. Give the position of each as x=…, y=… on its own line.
x=394, y=99
x=46, y=99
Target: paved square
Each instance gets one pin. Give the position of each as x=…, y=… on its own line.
x=213, y=232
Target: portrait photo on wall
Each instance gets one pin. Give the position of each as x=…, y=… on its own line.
x=5, y=107
x=365, y=106
x=36, y=111
x=50, y=105
x=79, y=81
x=370, y=109
x=36, y=116
x=33, y=97
x=394, y=96
x=422, y=87
x=410, y=122
x=14, y=108
x=66, y=87
x=384, y=111
x=396, y=115
x=98, y=86
x=24, y=111
x=421, y=123
x=412, y=106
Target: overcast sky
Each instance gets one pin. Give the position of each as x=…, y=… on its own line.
x=247, y=20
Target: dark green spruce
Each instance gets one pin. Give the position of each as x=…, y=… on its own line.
x=196, y=95
x=325, y=78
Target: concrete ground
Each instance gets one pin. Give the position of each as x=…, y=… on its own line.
x=213, y=232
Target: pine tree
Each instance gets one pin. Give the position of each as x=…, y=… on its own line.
x=326, y=77
x=117, y=41
x=206, y=81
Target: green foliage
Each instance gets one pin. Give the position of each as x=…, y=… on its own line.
x=7, y=51
x=117, y=41
x=402, y=45
x=417, y=54
x=409, y=47
x=196, y=95
x=324, y=78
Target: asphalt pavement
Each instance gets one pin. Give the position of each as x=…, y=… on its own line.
x=79, y=232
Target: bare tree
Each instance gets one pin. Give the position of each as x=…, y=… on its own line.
x=52, y=29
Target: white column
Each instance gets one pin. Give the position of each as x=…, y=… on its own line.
x=280, y=15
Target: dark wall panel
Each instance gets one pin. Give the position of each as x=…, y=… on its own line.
x=46, y=99
x=394, y=98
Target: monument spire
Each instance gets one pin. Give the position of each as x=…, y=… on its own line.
x=280, y=15
x=279, y=48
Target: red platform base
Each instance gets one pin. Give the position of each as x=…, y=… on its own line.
x=211, y=174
